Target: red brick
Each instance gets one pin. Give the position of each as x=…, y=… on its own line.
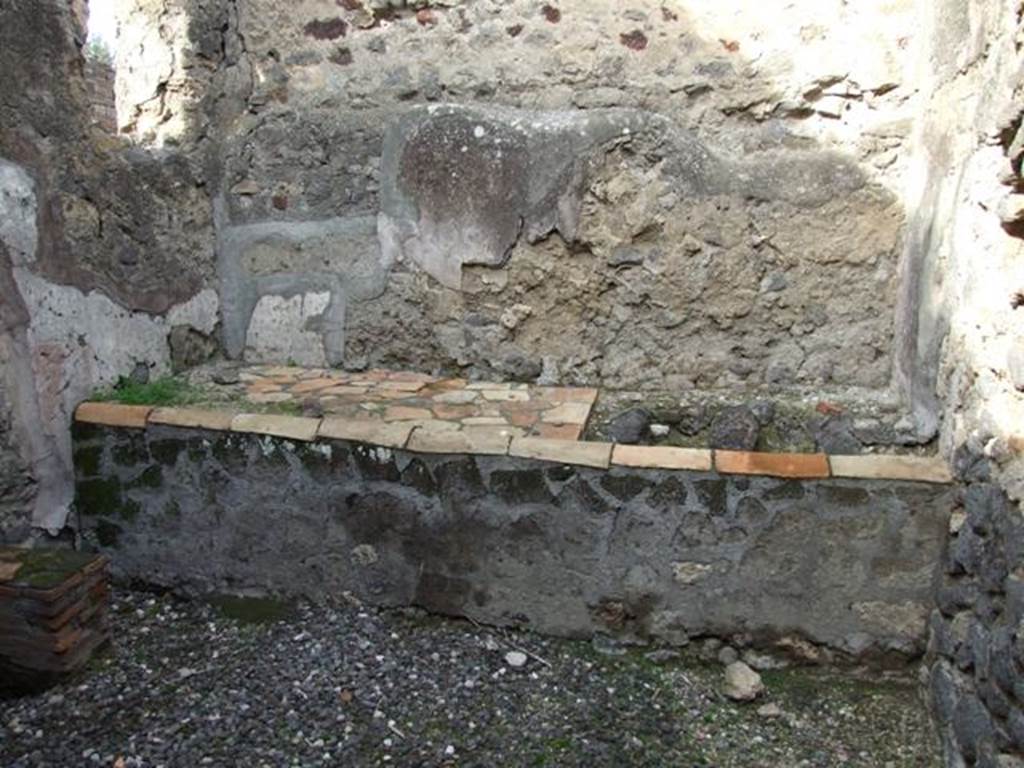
x=796, y=465
x=113, y=414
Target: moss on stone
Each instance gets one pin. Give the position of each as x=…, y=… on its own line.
x=166, y=451
x=88, y=459
x=196, y=449
x=151, y=477
x=46, y=568
x=232, y=450
x=129, y=510
x=275, y=456
x=171, y=509
x=131, y=451
x=98, y=496
x=313, y=458
x=108, y=533
x=82, y=432
x=252, y=610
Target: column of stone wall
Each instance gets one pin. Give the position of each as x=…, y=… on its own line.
x=100, y=82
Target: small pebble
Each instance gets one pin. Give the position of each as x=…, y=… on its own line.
x=516, y=659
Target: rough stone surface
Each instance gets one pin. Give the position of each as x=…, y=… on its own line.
x=968, y=309
x=629, y=427
x=735, y=429
x=264, y=268
x=508, y=540
x=634, y=238
x=101, y=240
x=794, y=177
x=741, y=682
x=974, y=648
x=746, y=209
x=569, y=706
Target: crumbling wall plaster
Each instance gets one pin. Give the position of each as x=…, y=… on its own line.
x=105, y=247
x=966, y=260
x=330, y=85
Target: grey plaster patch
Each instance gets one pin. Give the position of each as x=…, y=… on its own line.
x=302, y=328
x=271, y=264
x=17, y=213
x=36, y=483
x=460, y=185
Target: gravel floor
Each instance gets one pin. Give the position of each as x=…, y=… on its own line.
x=190, y=684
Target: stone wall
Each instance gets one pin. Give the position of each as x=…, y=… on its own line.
x=104, y=248
x=965, y=173
x=100, y=78
x=287, y=111
x=632, y=553
x=810, y=195
x=746, y=231
x=774, y=263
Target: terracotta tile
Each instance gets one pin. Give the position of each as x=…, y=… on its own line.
x=404, y=413
x=510, y=431
x=806, y=465
x=270, y=397
x=312, y=385
x=528, y=406
x=291, y=427
x=437, y=425
x=558, y=431
x=488, y=442
x=453, y=411
x=520, y=418
x=925, y=469
x=286, y=371
x=344, y=389
x=662, y=457
x=456, y=397
x=446, y=385
x=562, y=451
x=389, y=394
x=113, y=414
x=366, y=431
x=566, y=413
x=505, y=395
x=192, y=418
x=353, y=411
x=403, y=386
x=8, y=569
x=569, y=394
x=409, y=377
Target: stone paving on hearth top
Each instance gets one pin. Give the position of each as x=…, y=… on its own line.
x=521, y=410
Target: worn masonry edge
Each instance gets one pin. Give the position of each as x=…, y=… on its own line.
x=925, y=469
